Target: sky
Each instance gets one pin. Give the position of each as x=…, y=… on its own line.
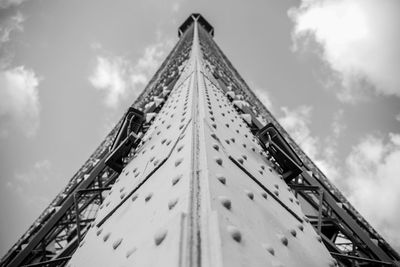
x=329, y=71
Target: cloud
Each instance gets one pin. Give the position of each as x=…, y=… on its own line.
x=8, y=3
x=119, y=78
x=176, y=7
x=264, y=97
x=323, y=152
x=357, y=39
x=19, y=101
x=39, y=171
x=373, y=171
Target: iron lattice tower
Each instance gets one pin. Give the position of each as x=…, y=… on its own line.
x=199, y=173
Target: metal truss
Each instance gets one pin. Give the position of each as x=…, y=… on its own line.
x=60, y=229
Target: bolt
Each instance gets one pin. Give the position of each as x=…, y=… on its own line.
x=106, y=236
x=130, y=252
x=235, y=233
x=283, y=239
x=226, y=202
x=99, y=231
x=160, y=236
x=222, y=179
x=148, y=197
x=219, y=161
x=172, y=203
x=293, y=232
x=176, y=179
x=250, y=194
x=178, y=162
x=117, y=243
x=269, y=248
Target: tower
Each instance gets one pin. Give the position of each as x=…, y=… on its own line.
x=199, y=173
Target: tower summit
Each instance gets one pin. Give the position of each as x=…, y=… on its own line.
x=199, y=173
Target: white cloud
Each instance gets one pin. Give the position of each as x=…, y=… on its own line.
x=358, y=39
x=19, y=101
x=297, y=122
x=119, y=78
x=323, y=152
x=264, y=97
x=373, y=171
x=110, y=76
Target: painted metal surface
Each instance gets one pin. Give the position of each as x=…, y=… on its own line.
x=184, y=201
x=200, y=189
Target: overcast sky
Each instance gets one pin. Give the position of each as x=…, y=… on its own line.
x=328, y=70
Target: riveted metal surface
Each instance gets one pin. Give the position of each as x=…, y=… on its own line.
x=142, y=222
x=200, y=192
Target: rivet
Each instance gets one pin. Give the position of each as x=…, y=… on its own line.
x=233, y=140
x=169, y=142
x=215, y=136
x=283, y=239
x=244, y=156
x=178, y=162
x=261, y=172
x=240, y=160
x=172, y=203
x=99, y=231
x=134, y=197
x=319, y=238
x=214, y=126
x=264, y=195
x=263, y=167
x=180, y=148
x=117, y=243
x=216, y=147
x=276, y=186
x=155, y=162
x=244, y=145
x=159, y=237
x=148, y=197
x=276, y=192
x=227, y=125
x=219, y=161
x=250, y=194
x=176, y=179
x=226, y=202
x=122, y=195
x=291, y=199
x=227, y=141
x=269, y=248
x=293, y=232
x=222, y=179
x=130, y=252
x=235, y=233
x=301, y=227
x=297, y=202
x=152, y=158
x=163, y=141
x=106, y=236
